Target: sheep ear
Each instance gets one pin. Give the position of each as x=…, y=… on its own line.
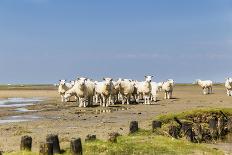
x=111, y=79
x=78, y=78
x=103, y=78
x=152, y=76
x=145, y=76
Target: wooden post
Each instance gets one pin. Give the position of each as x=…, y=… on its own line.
x=156, y=124
x=90, y=137
x=55, y=140
x=76, y=146
x=113, y=137
x=26, y=143
x=134, y=127
x=46, y=148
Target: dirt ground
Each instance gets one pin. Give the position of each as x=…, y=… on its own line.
x=68, y=120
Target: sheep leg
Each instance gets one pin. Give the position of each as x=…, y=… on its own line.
x=165, y=95
x=128, y=99
x=80, y=102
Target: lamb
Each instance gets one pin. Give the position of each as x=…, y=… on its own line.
x=168, y=88
x=62, y=88
x=228, y=85
x=79, y=90
x=144, y=89
x=206, y=85
x=103, y=90
x=126, y=89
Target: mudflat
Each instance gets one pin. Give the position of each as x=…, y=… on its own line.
x=68, y=120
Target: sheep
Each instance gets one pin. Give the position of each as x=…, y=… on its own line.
x=79, y=90
x=154, y=90
x=168, y=88
x=144, y=89
x=114, y=92
x=62, y=88
x=90, y=91
x=206, y=85
x=159, y=85
x=103, y=90
x=228, y=85
x=126, y=89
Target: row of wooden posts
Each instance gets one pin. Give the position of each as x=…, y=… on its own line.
x=51, y=145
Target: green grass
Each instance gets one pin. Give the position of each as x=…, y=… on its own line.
x=166, y=118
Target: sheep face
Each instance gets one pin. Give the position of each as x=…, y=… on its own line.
x=72, y=83
x=62, y=82
x=81, y=81
x=108, y=81
x=148, y=78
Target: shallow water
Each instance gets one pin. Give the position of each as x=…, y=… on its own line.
x=21, y=118
x=19, y=102
x=19, y=105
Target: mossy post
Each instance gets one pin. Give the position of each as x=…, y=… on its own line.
x=134, y=127
x=55, y=142
x=76, y=146
x=46, y=148
x=156, y=125
x=26, y=143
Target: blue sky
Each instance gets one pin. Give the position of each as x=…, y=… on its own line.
x=42, y=41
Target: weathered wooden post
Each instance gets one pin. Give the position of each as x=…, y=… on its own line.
x=190, y=135
x=112, y=137
x=46, y=148
x=26, y=143
x=134, y=127
x=156, y=124
x=76, y=146
x=90, y=137
x=55, y=141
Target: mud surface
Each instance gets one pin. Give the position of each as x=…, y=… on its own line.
x=68, y=120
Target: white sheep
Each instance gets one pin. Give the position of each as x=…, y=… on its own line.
x=126, y=89
x=144, y=89
x=62, y=88
x=90, y=91
x=154, y=90
x=206, y=85
x=114, y=92
x=103, y=91
x=159, y=85
x=167, y=87
x=79, y=90
x=228, y=85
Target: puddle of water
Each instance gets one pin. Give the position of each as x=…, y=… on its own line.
x=24, y=110
x=22, y=118
x=19, y=102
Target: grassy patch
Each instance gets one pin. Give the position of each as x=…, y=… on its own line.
x=166, y=118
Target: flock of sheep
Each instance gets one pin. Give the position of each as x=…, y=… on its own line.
x=108, y=92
